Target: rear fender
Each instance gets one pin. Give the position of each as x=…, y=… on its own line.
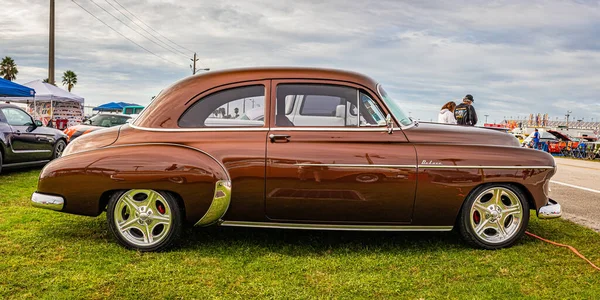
x=194, y=175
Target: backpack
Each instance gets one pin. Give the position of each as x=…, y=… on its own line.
x=461, y=114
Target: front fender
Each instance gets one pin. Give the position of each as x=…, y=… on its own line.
x=82, y=178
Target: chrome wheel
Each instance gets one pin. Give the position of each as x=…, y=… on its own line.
x=59, y=148
x=142, y=217
x=496, y=215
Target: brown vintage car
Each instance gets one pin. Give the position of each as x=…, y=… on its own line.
x=193, y=157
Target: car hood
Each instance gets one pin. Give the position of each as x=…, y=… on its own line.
x=455, y=134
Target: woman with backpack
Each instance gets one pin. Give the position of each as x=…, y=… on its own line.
x=446, y=115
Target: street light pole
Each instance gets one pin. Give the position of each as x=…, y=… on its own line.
x=193, y=67
x=51, y=45
x=486, y=116
x=568, y=114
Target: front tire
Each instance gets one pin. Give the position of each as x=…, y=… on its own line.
x=494, y=216
x=144, y=220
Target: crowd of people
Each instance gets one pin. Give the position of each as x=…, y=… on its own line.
x=461, y=114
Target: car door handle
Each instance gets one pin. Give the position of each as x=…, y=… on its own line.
x=18, y=132
x=279, y=137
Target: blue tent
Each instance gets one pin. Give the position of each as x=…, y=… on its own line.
x=11, y=89
x=113, y=106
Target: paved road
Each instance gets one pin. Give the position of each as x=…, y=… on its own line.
x=576, y=186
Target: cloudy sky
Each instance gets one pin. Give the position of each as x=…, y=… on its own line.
x=515, y=57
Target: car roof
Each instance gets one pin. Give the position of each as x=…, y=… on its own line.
x=170, y=103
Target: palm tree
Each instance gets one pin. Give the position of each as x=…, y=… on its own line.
x=8, y=69
x=69, y=79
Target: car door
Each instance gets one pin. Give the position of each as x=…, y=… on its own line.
x=346, y=173
x=25, y=143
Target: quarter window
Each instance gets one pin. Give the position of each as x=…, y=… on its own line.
x=235, y=107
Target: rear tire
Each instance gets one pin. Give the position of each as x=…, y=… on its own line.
x=494, y=216
x=59, y=147
x=144, y=220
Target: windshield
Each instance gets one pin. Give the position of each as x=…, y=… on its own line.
x=394, y=107
x=107, y=120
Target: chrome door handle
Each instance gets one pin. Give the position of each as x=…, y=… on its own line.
x=279, y=137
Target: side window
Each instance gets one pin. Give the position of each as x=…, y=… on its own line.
x=370, y=114
x=235, y=107
x=16, y=117
x=316, y=105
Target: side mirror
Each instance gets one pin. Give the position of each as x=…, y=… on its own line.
x=38, y=123
x=390, y=124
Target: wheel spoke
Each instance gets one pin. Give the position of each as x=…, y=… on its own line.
x=130, y=202
x=481, y=227
x=148, y=238
x=480, y=207
x=498, y=196
x=161, y=218
x=511, y=210
x=501, y=230
x=152, y=196
x=128, y=225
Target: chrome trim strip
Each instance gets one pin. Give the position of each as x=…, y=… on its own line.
x=356, y=166
x=45, y=201
x=30, y=151
x=219, y=204
x=199, y=129
x=378, y=128
x=27, y=163
x=422, y=166
x=552, y=210
x=261, y=129
x=334, y=226
x=483, y=167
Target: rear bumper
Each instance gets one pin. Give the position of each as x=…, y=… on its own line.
x=551, y=210
x=47, y=201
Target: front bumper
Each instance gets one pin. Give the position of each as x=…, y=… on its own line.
x=550, y=211
x=47, y=201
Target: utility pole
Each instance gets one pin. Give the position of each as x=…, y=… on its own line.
x=486, y=116
x=194, y=60
x=193, y=66
x=51, y=46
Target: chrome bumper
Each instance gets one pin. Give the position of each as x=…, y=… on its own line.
x=47, y=201
x=550, y=211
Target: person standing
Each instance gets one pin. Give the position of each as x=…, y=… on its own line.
x=536, y=139
x=465, y=112
x=446, y=114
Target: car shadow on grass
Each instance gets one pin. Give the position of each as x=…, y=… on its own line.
x=288, y=242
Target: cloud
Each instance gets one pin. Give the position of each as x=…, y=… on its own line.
x=515, y=57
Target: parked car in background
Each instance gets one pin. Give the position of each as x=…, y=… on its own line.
x=25, y=142
x=349, y=159
x=99, y=121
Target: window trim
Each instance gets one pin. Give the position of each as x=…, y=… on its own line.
x=199, y=97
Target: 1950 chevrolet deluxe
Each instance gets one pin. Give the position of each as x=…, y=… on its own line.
x=355, y=162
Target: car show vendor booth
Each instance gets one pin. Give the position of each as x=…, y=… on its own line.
x=50, y=102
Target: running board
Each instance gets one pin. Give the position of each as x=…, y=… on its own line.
x=334, y=226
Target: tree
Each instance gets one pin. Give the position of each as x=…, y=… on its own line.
x=69, y=79
x=47, y=81
x=8, y=69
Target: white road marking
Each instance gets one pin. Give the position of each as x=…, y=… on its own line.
x=575, y=186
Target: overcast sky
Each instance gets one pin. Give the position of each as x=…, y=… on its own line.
x=514, y=57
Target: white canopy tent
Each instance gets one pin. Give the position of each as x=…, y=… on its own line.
x=47, y=93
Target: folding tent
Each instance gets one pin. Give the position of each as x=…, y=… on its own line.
x=9, y=90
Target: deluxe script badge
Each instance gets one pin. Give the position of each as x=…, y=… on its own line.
x=431, y=162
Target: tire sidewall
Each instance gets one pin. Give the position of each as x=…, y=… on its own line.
x=168, y=241
x=465, y=218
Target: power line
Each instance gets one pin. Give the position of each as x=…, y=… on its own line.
x=131, y=27
x=151, y=27
x=142, y=28
x=165, y=59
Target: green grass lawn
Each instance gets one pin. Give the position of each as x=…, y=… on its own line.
x=46, y=254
